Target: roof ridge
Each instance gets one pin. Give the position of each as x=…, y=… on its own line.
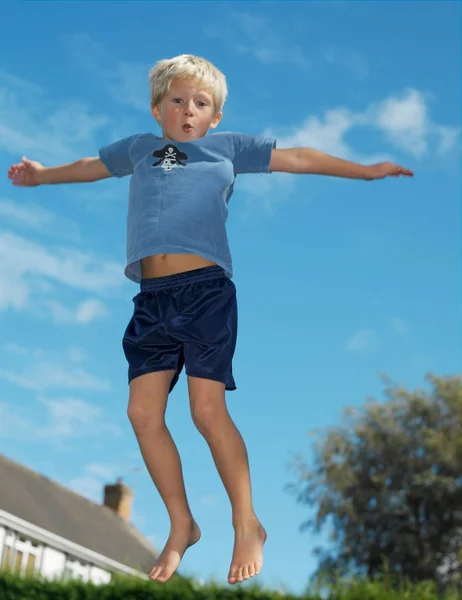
x=55, y=508
x=52, y=481
x=126, y=524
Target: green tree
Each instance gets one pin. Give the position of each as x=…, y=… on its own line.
x=387, y=483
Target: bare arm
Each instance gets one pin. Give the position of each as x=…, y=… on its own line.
x=83, y=170
x=32, y=173
x=307, y=160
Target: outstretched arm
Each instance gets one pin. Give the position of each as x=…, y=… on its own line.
x=306, y=160
x=31, y=173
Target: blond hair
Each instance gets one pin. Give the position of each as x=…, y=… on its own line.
x=187, y=66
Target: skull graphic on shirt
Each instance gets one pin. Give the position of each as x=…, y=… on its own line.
x=170, y=157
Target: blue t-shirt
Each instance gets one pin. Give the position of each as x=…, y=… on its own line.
x=179, y=192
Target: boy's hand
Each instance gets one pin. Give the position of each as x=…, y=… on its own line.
x=386, y=169
x=27, y=173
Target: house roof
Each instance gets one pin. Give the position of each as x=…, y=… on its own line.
x=49, y=505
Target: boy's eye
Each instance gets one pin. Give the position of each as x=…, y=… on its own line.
x=201, y=103
x=177, y=100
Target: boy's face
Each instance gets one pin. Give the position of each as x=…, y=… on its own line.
x=186, y=112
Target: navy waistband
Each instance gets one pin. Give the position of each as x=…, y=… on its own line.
x=154, y=284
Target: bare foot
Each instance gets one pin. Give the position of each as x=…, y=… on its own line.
x=181, y=537
x=247, y=561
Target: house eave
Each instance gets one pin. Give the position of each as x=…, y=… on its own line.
x=59, y=543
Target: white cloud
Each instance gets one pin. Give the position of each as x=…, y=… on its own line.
x=101, y=470
x=399, y=326
x=24, y=263
x=70, y=416
x=89, y=310
x=404, y=120
x=86, y=312
x=406, y=123
x=16, y=349
x=65, y=265
x=61, y=419
x=32, y=217
x=13, y=424
x=43, y=375
x=448, y=137
x=10, y=81
x=350, y=60
x=76, y=354
x=88, y=487
x=91, y=483
x=31, y=124
x=254, y=30
x=275, y=43
x=270, y=191
x=265, y=41
x=126, y=82
x=361, y=340
x=326, y=135
x=14, y=292
x=44, y=372
x=271, y=54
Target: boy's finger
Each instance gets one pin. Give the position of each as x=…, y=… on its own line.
x=406, y=172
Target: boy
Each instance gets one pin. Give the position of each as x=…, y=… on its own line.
x=185, y=312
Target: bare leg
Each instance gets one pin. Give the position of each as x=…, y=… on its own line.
x=146, y=411
x=214, y=422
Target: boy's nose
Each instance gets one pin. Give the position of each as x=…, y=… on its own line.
x=188, y=109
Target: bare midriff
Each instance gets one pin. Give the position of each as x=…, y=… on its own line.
x=161, y=265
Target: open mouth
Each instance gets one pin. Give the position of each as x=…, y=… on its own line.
x=187, y=127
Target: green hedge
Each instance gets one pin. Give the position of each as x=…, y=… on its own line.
x=15, y=588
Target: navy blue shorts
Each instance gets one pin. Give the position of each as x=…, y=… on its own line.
x=190, y=320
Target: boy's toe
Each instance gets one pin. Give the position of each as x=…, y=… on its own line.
x=233, y=572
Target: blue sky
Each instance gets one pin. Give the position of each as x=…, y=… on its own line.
x=338, y=281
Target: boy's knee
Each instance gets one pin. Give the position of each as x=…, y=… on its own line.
x=207, y=412
x=143, y=417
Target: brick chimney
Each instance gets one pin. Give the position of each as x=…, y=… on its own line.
x=119, y=498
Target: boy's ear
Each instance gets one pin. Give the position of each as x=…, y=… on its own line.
x=155, y=109
x=216, y=120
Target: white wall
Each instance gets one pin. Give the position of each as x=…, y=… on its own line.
x=50, y=562
x=53, y=563
x=2, y=542
x=98, y=576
